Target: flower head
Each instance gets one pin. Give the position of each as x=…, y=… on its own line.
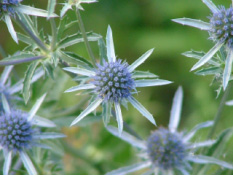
x=18, y=133
x=114, y=82
x=167, y=150
x=7, y=7
x=220, y=29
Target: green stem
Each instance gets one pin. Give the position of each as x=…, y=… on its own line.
x=54, y=34
x=32, y=35
x=82, y=28
x=2, y=51
x=219, y=112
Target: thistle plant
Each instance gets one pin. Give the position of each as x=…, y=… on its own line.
x=167, y=151
x=113, y=83
x=56, y=54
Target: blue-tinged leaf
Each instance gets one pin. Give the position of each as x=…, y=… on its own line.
x=119, y=117
x=102, y=50
x=193, y=23
x=127, y=137
x=51, y=8
x=201, y=144
x=143, y=74
x=211, y=6
x=80, y=71
x=142, y=109
x=28, y=10
x=5, y=104
x=130, y=169
x=207, y=56
x=151, y=82
x=11, y=28
x=107, y=106
x=65, y=8
x=229, y=103
x=227, y=70
x=209, y=71
x=27, y=80
x=36, y=107
x=88, y=110
x=110, y=46
x=196, y=128
x=5, y=74
x=140, y=60
x=209, y=160
x=7, y=163
x=80, y=87
x=25, y=39
x=42, y=122
x=176, y=110
x=27, y=163
x=48, y=135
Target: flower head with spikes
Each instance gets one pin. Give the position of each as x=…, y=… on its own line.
x=18, y=134
x=220, y=28
x=14, y=9
x=113, y=82
x=167, y=151
x=9, y=90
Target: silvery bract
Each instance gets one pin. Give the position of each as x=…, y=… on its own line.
x=12, y=8
x=18, y=134
x=167, y=151
x=220, y=29
x=113, y=82
x=77, y=3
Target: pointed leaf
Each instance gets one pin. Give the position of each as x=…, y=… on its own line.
x=11, y=28
x=209, y=160
x=143, y=74
x=48, y=135
x=27, y=163
x=7, y=163
x=207, y=56
x=107, y=106
x=80, y=71
x=5, y=74
x=202, y=144
x=27, y=80
x=211, y=6
x=81, y=87
x=127, y=137
x=51, y=8
x=176, y=110
x=193, y=23
x=65, y=8
x=43, y=122
x=28, y=10
x=119, y=117
x=36, y=107
x=130, y=169
x=102, y=50
x=5, y=104
x=110, y=46
x=88, y=110
x=227, y=70
x=209, y=71
x=151, y=82
x=142, y=109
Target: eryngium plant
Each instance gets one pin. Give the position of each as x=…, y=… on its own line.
x=18, y=134
x=167, y=151
x=112, y=83
x=220, y=28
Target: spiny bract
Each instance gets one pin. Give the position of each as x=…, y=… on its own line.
x=166, y=149
x=113, y=81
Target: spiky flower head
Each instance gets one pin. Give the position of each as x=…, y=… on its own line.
x=113, y=81
x=7, y=7
x=15, y=131
x=222, y=26
x=166, y=149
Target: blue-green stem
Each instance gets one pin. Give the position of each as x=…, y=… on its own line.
x=82, y=28
x=54, y=34
x=32, y=35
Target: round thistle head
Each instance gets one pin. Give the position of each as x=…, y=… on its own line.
x=7, y=6
x=222, y=26
x=113, y=81
x=15, y=131
x=165, y=149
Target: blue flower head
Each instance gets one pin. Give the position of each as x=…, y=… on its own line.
x=220, y=29
x=18, y=133
x=167, y=151
x=113, y=83
x=7, y=6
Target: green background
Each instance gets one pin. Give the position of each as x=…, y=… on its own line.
x=139, y=25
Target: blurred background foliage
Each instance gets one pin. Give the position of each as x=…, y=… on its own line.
x=138, y=25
